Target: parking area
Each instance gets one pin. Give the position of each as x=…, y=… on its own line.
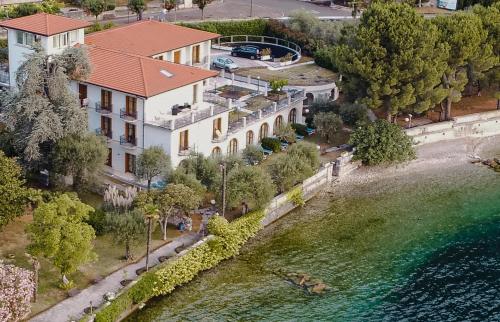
x=241, y=62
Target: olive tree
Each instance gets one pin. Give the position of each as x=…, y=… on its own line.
x=328, y=124
x=152, y=162
x=250, y=185
x=127, y=228
x=137, y=7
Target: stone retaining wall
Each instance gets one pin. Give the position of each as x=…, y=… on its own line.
x=472, y=125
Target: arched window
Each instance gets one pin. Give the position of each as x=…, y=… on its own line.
x=249, y=137
x=233, y=147
x=216, y=151
x=264, y=131
x=292, y=116
x=277, y=123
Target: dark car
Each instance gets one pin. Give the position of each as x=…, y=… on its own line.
x=246, y=51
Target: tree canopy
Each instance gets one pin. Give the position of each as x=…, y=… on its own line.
x=59, y=233
x=17, y=286
x=250, y=185
x=381, y=142
x=328, y=124
x=152, y=162
x=137, y=7
x=14, y=195
x=44, y=109
x=94, y=7
x=80, y=156
x=127, y=228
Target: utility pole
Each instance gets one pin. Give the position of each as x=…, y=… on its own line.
x=251, y=8
x=223, y=169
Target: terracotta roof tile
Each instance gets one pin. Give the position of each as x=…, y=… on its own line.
x=148, y=37
x=141, y=76
x=44, y=24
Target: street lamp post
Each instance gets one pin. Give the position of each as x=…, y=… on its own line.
x=258, y=84
x=251, y=8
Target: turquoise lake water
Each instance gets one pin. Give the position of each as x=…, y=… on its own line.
x=422, y=248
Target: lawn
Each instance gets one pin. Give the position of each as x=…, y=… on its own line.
x=110, y=258
x=304, y=75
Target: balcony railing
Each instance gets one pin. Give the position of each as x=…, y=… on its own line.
x=4, y=77
x=106, y=133
x=130, y=141
x=103, y=109
x=128, y=115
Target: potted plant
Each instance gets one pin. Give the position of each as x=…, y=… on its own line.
x=286, y=60
x=265, y=54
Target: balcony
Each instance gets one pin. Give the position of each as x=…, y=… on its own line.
x=128, y=141
x=128, y=116
x=108, y=134
x=185, y=152
x=103, y=109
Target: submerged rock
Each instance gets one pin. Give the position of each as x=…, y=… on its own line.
x=302, y=280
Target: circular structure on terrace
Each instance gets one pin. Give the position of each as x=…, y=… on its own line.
x=279, y=47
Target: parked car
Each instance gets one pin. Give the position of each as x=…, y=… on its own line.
x=224, y=63
x=246, y=51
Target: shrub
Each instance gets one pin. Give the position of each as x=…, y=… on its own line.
x=228, y=28
x=296, y=196
x=324, y=57
x=278, y=84
x=288, y=170
x=352, y=114
x=306, y=151
x=278, y=29
x=187, y=179
x=285, y=132
x=113, y=311
x=241, y=187
x=381, y=142
x=97, y=219
x=272, y=144
x=253, y=154
x=300, y=129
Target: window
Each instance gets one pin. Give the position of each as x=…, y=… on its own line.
x=216, y=151
x=106, y=100
x=73, y=36
x=217, y=131
x=195, y=54
x=109, y=159
x=25, y=38
x=292, y=117
x=160, y=57
x=131, y=106
x=129, y=163
x=264, y=131
x=177, y=57
x=195, y=93
x=106, y=126
x=233, y=147
x=184, y=141
x=249, y=137
x=130, y=133
x=277, y=123
x=82, y=93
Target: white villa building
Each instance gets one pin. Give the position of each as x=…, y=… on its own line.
x=147, y=89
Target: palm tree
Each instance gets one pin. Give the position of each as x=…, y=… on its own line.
x=151, y=213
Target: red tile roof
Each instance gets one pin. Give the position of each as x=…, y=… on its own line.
x=148, y=37
x=141, y=76
x=44, y=24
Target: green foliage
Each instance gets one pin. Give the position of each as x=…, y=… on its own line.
x=381, y=142
x=151, y=163
x=44, y=109
x=98, y=27
x=94, y=7
x=272, y=144
x=328, y=124
x=253, y=154
x=229, y=28
x=469, y=53
x=288, y=170
x=463, y=4
x=26, y=9
x=300, y=129
x=296, y=196
x=278, y=29
x=126, y=228
x=60, y=234
x=178, y=176
x=325, y=58
x=206, y=170
x=278, y=84
x=285, y=132
x=97, y=219
x=307, y=152
x=202, y=4
x=80, y=156
x=241, y=187
x=137, y=7
x=395, y=61
x=352, y=113
x=15, y=196
x=226, y=243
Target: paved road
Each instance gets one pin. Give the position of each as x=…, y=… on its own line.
x=72, y=308
x=239, y=9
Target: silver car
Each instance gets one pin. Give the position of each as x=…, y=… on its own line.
x=224, y=63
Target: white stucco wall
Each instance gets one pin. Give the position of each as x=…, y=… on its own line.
x=205, y=53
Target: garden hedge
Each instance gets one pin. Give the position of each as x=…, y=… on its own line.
x=229, y=28
x=226, y=243
x=300, y=129
x=272, y=144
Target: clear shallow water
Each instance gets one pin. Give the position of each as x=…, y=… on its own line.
x=424, y=248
